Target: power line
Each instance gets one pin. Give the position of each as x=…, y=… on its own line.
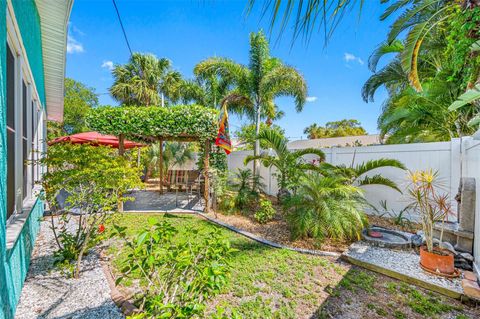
x=123, y=29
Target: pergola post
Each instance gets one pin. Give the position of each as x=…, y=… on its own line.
x=206, y=164
x=121, y=144
x=160, y=164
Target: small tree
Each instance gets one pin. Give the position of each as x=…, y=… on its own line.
x=94, y=179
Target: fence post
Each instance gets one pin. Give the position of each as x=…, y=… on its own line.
x=456, y=162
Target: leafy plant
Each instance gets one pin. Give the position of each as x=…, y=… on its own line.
x=398, y=218
x=180, y=275
x=334, y=129
x=95, y=182
x=289, y=163
x=355, y=175
x=152, y=121
x=265, y=213
x=432, y=206
x=247, y=187
x=326, y=207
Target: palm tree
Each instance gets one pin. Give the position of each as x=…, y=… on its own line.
x=257, y=85
x=312, y=131
x=288, y=163
x=208, y=91
x=143, y=81
x=355, y=175
x=326, y=207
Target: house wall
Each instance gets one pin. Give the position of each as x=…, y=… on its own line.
x=15, y=260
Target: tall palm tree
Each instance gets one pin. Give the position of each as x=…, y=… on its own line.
x=257, y=85
x=208, y=91
x=288, y=163
x=143, y=81
x=312, y=131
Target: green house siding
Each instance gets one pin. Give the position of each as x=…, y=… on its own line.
x=4, y=298
x=15, y=261
x=28, y=21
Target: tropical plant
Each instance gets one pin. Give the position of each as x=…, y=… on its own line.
x=357, y=175
x=290, y=164
x=247, y=188
x=208, y=90
x=144, y=81
x=95, y=183
x=247, y=136
x=181, y=276
x=432, y=206
x=265, y=213
x=335, y=129
x=326, y=207
x=256, y=86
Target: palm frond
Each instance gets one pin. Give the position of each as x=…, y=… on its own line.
x=383, y=49
x=374, y=164
x=308, y=151
x=378, y=180
x=466, y=98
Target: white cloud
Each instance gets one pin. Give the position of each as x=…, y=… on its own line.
x=311, y=98
x=349, y=57
x=107, y=65
x=73, y=46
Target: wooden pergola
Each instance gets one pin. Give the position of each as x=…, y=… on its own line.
x=181, y=123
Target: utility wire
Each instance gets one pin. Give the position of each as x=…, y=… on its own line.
x=123, y=29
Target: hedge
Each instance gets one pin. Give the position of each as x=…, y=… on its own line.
x=153, y=121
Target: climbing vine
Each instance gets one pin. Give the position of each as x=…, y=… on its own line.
x=152, y=121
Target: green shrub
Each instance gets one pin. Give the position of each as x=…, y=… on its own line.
x=265, y=213
x=180, y=275
x=326, y=207
x=96, y=180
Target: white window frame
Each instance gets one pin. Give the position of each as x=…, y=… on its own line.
x=23, y=74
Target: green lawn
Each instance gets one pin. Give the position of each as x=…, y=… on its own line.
x=274, y=283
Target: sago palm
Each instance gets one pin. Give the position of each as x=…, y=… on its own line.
x=289, y=164
x=256, y=86
x=326, y=207
x=357, y=175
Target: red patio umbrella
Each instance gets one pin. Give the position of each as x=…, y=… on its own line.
x=95, y=139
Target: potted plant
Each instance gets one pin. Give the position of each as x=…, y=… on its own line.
x=433, y=207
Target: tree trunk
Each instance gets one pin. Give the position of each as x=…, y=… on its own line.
x=160, y=165
x=163, y=100
x=256, y=151
x=121, y=144
x=206, y=165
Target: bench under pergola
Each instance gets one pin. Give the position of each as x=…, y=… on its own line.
x=152, y=124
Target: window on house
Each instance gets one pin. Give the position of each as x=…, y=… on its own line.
x=24, y=140
x=33, y=153
x=10, y=132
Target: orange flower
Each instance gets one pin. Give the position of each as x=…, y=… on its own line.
x=101, y=228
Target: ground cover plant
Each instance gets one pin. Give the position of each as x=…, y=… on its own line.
x=272, y=283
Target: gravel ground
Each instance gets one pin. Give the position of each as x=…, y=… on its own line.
x=49, y=294
x=405, y=262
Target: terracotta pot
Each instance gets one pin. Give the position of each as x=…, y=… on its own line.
x=439, y=261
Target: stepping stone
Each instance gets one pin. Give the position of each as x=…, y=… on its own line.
x=471, y=288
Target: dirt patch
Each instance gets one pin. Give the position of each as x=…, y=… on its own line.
x=278, y=231
x=391, y=223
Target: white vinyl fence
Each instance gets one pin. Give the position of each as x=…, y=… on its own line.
x=459, y=157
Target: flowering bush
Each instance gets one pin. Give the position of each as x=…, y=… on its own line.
x=95, y=181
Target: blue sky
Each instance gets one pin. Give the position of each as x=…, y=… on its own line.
x=187, y=32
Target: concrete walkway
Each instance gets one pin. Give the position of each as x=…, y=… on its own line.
x=153, y=201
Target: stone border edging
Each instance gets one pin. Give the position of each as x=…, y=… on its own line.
x=268, y=242
x=122, y=302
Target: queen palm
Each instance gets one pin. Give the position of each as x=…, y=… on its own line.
x=256, y=86
x=208, y=91
x=288, y=163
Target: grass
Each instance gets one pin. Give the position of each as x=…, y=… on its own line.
x=272, y=283
x=265, y=282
